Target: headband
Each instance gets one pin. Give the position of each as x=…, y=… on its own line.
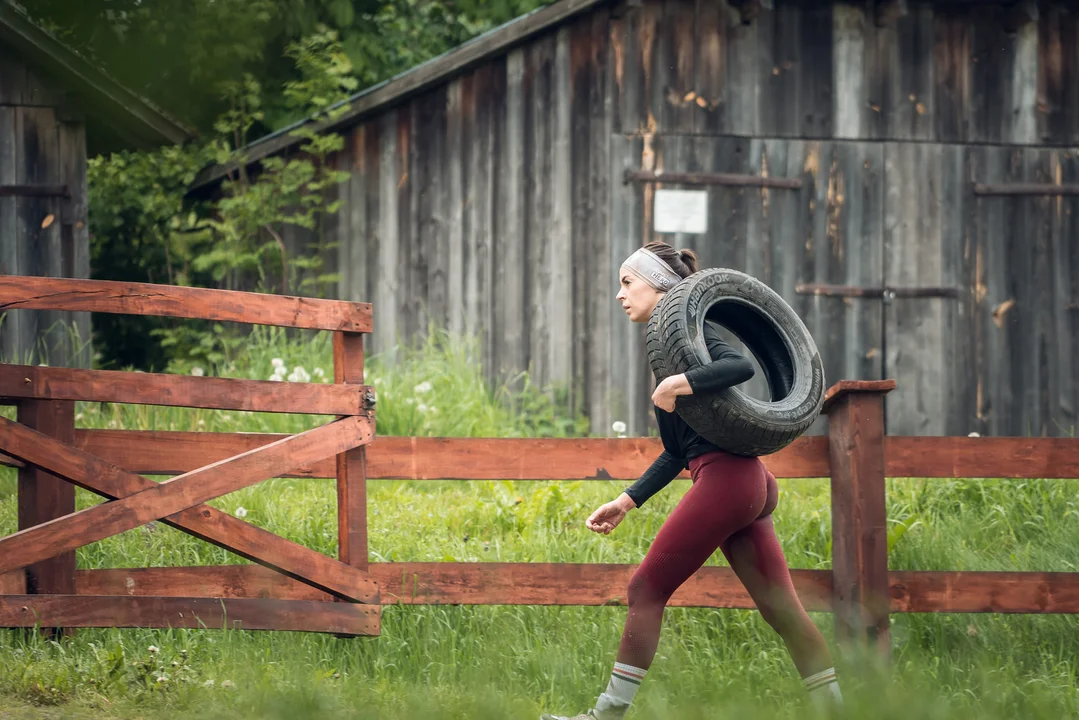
x=646, y=265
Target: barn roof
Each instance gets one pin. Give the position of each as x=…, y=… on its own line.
x=115, y=108
x=416, y=79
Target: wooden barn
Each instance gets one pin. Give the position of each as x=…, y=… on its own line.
x=56, y=110
x=903, y=172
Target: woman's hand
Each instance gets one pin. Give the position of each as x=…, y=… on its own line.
x=607, y=516
x=669, y=390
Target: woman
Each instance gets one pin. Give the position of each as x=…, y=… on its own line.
x=729, y=506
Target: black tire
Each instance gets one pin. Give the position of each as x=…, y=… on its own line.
x=770, y=329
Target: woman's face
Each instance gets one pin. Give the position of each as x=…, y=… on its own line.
x=638, y=298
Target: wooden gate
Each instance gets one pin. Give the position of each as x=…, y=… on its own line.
x=37, y=563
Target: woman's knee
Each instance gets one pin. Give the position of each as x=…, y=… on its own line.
x=644, y=590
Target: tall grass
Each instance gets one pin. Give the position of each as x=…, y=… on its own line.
x=513, y=662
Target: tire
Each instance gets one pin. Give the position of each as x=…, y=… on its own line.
x=770, y=329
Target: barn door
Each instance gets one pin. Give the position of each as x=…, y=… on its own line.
x=988, y=235
x=805, y=217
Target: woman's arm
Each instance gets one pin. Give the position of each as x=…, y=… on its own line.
x=727, y=369
x=659, y=475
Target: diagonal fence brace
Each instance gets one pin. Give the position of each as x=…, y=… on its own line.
x=171, y=497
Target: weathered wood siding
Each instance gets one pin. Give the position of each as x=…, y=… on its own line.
x=495, y=203
x=41, y=145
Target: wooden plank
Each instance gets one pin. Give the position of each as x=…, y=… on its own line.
x=1058, y=76
x=422, y=458
x=1026, y=189
x=167, y=453
x=352, y=257
x=1066, y=264
x=13, y=583
x=387, y=239
x=510, y=331
x=453, y=186
x=835, y=235
x=675, y=71
x=958, y=231
x=905, y=63
x=951, y=76
x=431, y=256
x=600, y=584
x=172, y=496
x=74, y=215
x=25, y=381
x=743, y=77
x=859, y=519
x=1003, y=81
x=915, y=344
x=91, y=611
x=602, y=309
x=348, y=361
x=12, y=345
x=370, y=233
x=108, y=296
x=981, y=457
x=44, y=496
x=849, y=37
x=629, y=390
x=633, y=53
x=204, y=522
x=710, y=65
x=481, y=180
x=538, y=104
x=415, y=300
x=559, y=224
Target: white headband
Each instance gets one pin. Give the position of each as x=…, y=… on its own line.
x=646, y=265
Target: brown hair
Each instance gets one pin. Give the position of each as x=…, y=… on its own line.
x=683, y=262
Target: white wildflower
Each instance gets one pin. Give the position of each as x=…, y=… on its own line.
x=208, y=684
x=974, y=434
x=422, y=408
x=162, y=678
x=197, y=371
x=227, y=684
x=318, y=372
x=432, y=410
x=241, y=512
x=277, y=363
x=618, y=426
x=422, y=388
x=276, y=378
x=152, y=649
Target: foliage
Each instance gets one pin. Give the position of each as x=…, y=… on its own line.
x=144, y=228
x=172, y=51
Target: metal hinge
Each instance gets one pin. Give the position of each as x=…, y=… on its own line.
x=886, y=293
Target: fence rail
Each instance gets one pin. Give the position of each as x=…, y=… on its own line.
x=855, y=455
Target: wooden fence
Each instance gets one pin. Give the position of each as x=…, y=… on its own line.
x=856, y=455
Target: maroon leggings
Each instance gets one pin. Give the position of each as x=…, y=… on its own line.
x=728, y=507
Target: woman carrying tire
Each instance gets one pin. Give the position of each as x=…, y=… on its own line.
x=728, y=507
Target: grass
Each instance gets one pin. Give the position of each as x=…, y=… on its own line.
x=513, y=662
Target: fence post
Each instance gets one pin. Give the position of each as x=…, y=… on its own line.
x=860, y=592
x=351, y=465
x=43, y=496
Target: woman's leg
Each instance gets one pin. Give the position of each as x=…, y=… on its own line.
x=728, y=493
x=755, y=555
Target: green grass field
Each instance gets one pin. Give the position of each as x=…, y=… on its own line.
x=514, y=662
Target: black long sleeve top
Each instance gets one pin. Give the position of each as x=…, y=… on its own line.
x=680, y=442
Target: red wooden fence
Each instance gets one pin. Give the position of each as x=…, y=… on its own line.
x=861, y=589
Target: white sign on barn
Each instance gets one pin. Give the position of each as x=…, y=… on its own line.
x=681, y=211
